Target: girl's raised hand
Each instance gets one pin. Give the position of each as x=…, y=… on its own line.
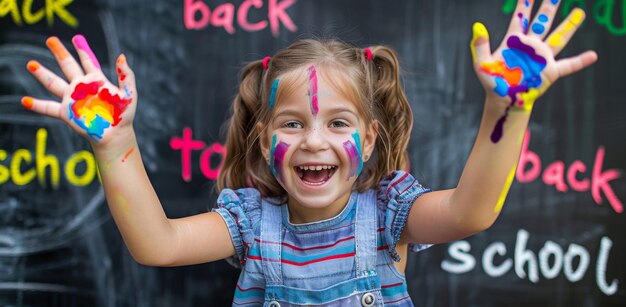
x=524, y=65
x=90, y=104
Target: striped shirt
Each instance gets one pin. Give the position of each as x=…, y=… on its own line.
x=318, y=255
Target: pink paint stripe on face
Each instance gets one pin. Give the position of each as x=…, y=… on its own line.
x=81, y=43
x=312, y=89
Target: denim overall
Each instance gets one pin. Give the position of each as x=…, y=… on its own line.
x=363, y=290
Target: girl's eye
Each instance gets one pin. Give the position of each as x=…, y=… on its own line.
x=292, y=124
x=338, y=124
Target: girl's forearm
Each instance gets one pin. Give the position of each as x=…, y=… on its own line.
x=133, y=202
x=491, y=167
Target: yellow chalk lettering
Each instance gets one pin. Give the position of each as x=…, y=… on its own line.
x=42, y=160
x=10, y=6
x=90, y=169
x=4, y=171
x=58, y=7
x=28, y=15
x=20, y=178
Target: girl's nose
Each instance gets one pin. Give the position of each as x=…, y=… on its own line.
x=315, y=140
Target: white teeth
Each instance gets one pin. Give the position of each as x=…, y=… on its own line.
x=316, y=167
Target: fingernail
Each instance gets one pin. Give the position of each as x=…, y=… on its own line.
x=121, y=59
x=32, y=65
x=57, y=48
x=81, y=43
x=27, y=102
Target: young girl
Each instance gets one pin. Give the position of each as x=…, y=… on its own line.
x=315, y=205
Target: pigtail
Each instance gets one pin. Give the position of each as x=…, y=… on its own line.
x=244, y=109
x=392, y=109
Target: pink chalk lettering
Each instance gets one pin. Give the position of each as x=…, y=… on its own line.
x=242, y=16
x=198, y=15
x=277, y=14
x=205, y=160
x=600, y=181
x=186, y=145
x=223, y=17
x=554, y=175
x=577, y=167
x=526, y=157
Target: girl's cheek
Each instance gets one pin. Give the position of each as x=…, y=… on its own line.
x=278, y=150
x=355, y=156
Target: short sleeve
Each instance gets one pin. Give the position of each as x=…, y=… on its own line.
x=395, y=197
x=241, y=210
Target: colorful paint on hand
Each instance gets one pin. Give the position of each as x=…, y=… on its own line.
x=523, y=22
x=539, y=26
x=520, y=73
x=277, y=156
x=479, y=31
x=95, y=108
x=273, y=93
x=128, y=152
x=353, y=149
x=312, y=89
x=82, y=45
x=558, y=38
x=57, y=48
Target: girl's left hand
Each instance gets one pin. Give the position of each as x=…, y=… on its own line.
x=524, y=66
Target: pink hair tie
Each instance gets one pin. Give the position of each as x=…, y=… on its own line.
x=266, y=61
x=368, y=54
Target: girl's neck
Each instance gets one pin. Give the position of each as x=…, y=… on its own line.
x=299, y=214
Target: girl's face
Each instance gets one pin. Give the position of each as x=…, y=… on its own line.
x=316, y=144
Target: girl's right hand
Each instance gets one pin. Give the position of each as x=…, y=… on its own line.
x=90, y=104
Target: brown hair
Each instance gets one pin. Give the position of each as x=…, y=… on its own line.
x=374, y=86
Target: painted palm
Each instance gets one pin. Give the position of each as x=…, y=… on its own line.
x=523, y=67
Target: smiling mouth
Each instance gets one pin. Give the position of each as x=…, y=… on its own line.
x=315, y=174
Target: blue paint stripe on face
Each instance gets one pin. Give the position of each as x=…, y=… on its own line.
x=357, y=142
x=272, y=149
x=273, y=93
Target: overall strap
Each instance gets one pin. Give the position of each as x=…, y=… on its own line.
x=271, y=242
x=365, y=233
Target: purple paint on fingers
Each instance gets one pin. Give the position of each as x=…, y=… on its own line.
x=312, y=89
x=81, y=44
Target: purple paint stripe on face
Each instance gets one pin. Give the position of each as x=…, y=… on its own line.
x=81, y=43
x=515, y=43
x=354, y=156
x=312, y=89
x=278, y=157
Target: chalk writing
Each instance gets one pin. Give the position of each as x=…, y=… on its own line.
x=23, y=170
x=187, y=144
x=573, y=263
x=556, y=175
x=50, y=9
x=198, y=15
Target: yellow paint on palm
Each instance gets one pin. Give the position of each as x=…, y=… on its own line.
x=479, y=31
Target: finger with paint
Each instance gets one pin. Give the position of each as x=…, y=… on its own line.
x=125, y=78
x=564, y=32
x=520, y=20
x=66, y=61
x=87, y=57
x=55, y=84
x=44, y=107
x=543, y=19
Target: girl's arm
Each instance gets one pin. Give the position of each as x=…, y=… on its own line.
x=517, y=73
x=103, y=113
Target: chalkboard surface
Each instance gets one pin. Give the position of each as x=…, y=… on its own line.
x=558, y=242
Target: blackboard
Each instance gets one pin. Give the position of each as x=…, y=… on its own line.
x=558, y=241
